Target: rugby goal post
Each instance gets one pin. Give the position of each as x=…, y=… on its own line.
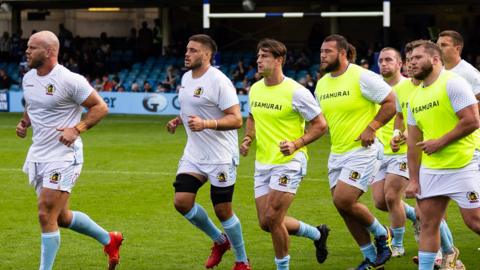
x=207, y=15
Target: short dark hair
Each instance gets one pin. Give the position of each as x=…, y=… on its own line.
x=342, y=43
x=412, y=44
x=397, y=53
x=275, y=47
x=207, y=41
x=454, y=35
x=431, y=48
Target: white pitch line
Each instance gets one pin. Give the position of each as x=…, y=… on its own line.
x=142, y=173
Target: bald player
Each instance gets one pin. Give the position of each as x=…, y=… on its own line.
x=55, y=98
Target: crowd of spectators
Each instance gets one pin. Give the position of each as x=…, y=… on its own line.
x=102, y=60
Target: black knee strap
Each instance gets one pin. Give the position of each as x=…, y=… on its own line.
x=221, y=194
x=186, y=183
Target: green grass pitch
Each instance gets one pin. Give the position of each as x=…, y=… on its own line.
x=126, y=185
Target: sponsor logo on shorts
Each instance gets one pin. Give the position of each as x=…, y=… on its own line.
x=472, y=196
x=222, y=177
x=354, y=176
x=198, y=92
x=55, y=177
x=283, y=180
x=50, y=89
x=403, y=166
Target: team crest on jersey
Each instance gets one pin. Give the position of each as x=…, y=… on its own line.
x=283, y=180
x=198, y=92
x=472, y=196
x=50, y=89
x=403, y=166
x=222, y=177
x=354, y=176
x=55, y=177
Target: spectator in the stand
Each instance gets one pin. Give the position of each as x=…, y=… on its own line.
x=145, y=41
x=116, y=84
x=242, y=87
x=121, y=88
x=5, y=47
x=364, y=63
x=160, y=88
x=310, y=83
x=239, y=72
x=170, y=82
x=5, y=80
x=107, y=85
x=256, y=78
x=147, y=87
x=157, y=37
x=97, y=84
x=135, y=87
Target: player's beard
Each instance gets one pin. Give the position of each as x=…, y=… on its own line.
x=332, y=66
x=195, y=64
x=35, y=63
x=425, y=70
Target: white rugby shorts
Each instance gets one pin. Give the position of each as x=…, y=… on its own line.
x=58, y=175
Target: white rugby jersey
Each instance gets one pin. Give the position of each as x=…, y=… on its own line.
x=207, y=97
x=469, y=73
x=53, y=101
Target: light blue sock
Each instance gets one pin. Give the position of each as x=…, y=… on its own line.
x=410, y=212
x=284, y=263
x=369, y=252
x=233, y=229
x=198, y=217
x=83, y=224
x=308, y=231
x=426, y=260
x=50, y=244
x=398, y=236
x=377, y=229
x=446, y=239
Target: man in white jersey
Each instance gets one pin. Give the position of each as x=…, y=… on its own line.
x=349, y=95
x=451, y=44
x=55, y=98
x=388, y=186
x=211, y=114
x=279, y=107
x=440, y=156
